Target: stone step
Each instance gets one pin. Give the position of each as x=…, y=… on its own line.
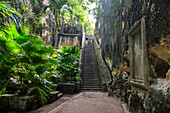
x=89, y=65
x=60, y=95
x=95, y=89
x=90, y=86
x=91, y=69
x=54, y=96
x=91, y=83
x=91, y=79
x=89, y=76
x=55, y=92
x=91, y=61
x=89, y=56
x=92, y=72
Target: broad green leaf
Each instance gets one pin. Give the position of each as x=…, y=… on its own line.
x=13, y=46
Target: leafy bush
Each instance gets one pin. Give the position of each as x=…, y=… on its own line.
x=24, y=57
x=68, y=66
x=28, y=62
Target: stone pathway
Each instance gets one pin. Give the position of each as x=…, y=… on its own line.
x=84, y=102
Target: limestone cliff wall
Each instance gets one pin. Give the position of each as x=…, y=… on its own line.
x=117, y=23
x=108, y=33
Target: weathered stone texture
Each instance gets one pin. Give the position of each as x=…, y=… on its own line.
x=50, y=30
x=103, y=70
x=70, y=35
x=155, y=100
x=23, y=104
x=120, y=86
x=113, y=38
x=108, y=27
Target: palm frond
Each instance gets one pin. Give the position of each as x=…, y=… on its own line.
x=37, y=91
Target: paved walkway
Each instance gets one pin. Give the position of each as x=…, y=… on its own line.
x=84, y=102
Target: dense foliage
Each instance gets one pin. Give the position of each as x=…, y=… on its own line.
x=68, y=65
x=26, y=62
x=73, y=11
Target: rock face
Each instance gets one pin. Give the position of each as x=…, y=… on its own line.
x=108, y=33
x=70, y=35
x=122, y=20
x=120, y=86
x=103, y=70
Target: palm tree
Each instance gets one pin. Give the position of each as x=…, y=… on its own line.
x=6, y=11
x=57, y=5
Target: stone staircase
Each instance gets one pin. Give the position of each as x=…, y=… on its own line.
x=90, y=71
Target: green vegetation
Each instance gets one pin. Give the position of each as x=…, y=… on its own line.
x=68, y=66
x=57, y=5
x=24, y=58
x=27, y=63
x=77, y=11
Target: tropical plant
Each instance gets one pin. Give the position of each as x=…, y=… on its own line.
x=56, y=5
x=77, y=11
x=6, y=11
x=26, y=59
x=68, y=67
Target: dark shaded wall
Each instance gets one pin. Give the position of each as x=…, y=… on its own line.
x=157, y=29
x=115, y=20
x=108, y=29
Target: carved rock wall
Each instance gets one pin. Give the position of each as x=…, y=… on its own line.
x=70, y=35
x=116, y=19
x=109, y=30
